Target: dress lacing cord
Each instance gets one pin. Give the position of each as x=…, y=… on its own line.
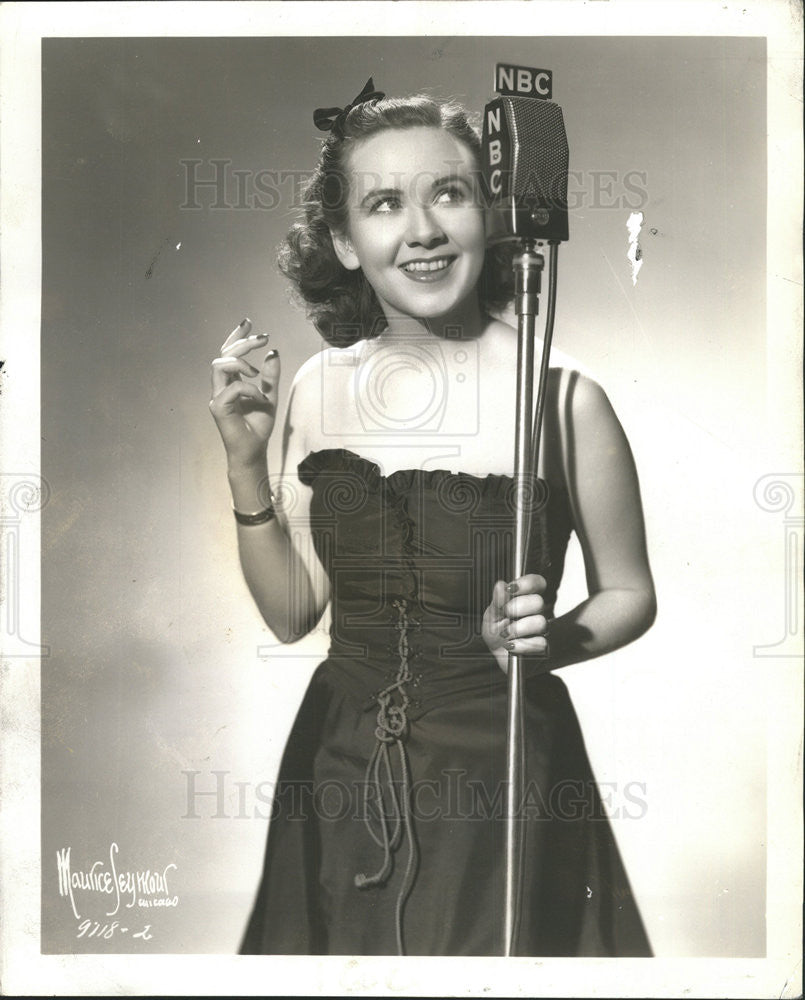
x=392, y=723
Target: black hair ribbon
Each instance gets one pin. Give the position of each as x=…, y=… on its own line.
x=332, y=119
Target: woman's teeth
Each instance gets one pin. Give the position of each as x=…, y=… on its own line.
x=427, y=265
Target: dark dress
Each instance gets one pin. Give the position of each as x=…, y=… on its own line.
x=387, y=827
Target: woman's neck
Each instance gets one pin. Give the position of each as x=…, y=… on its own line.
x=466, y=322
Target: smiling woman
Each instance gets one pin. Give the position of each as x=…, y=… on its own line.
x=387, y=833
x=348, y=186
x=419, y=224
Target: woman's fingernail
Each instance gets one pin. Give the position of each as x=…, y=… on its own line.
x=510, y=646
x=511, y=588
x=243, y=322
x=504, y=632
x=273, y=353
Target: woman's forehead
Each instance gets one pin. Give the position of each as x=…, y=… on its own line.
x=396, y=157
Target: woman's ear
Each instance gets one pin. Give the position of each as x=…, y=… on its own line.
x=344, y=250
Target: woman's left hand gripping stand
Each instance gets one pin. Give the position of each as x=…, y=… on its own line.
x=515, y=621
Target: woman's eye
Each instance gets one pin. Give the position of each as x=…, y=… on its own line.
x=450, y=194
x=385, y=205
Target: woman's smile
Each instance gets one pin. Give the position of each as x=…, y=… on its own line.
x=427, y=269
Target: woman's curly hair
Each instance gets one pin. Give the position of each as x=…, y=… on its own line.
x=341, y=303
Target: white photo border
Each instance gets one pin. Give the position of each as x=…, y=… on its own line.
x=23, y=969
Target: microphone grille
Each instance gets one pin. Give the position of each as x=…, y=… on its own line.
x=540, y=150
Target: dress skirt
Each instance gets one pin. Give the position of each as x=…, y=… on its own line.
x=444, y=894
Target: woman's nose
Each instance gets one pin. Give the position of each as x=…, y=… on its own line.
x=423, y=228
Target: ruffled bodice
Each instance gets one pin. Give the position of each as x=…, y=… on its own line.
x=415, y=555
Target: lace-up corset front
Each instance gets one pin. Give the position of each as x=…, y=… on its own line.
x=423, y=547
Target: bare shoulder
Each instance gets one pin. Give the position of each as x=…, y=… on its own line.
x=586, y=398
x=322, y=373
x=328, y=360
x=320, y=401
x=585, y=418
x=307, y=375
x=302, y=411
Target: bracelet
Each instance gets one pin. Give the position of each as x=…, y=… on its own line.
x=261, y=517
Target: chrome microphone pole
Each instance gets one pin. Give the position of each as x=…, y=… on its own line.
x=528, y=264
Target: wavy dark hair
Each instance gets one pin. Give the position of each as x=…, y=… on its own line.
x=341, y=303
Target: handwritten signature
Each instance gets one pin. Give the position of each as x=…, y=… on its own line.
x=128, y=888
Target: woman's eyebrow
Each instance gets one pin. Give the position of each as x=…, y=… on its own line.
x=451, y=178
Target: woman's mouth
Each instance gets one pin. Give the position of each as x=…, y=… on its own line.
x=427, y=269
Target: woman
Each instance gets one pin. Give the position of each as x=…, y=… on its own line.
x=395, y=503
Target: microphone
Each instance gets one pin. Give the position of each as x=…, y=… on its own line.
x=525, y=156
x=524, y=170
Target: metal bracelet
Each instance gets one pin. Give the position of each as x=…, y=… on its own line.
x=261, y=517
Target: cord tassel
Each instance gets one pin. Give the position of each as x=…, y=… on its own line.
x=392, y=725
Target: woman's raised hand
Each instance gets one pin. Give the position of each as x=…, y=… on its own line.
x=514, y=621
x=244, y=410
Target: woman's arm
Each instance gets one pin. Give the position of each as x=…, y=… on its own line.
x=604, y=493
x=279, y=563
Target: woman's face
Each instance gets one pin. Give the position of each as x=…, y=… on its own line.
x=414, y=224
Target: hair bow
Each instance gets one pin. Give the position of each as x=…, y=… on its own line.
x=332, y=119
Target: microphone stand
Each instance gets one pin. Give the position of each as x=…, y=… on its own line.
x=528, y=265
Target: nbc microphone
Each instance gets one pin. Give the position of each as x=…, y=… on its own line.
x=525, y=155
x=524, y=168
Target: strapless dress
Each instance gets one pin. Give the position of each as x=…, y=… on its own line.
x=387, y=827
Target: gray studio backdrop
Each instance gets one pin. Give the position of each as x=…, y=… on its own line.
x=165, y=698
